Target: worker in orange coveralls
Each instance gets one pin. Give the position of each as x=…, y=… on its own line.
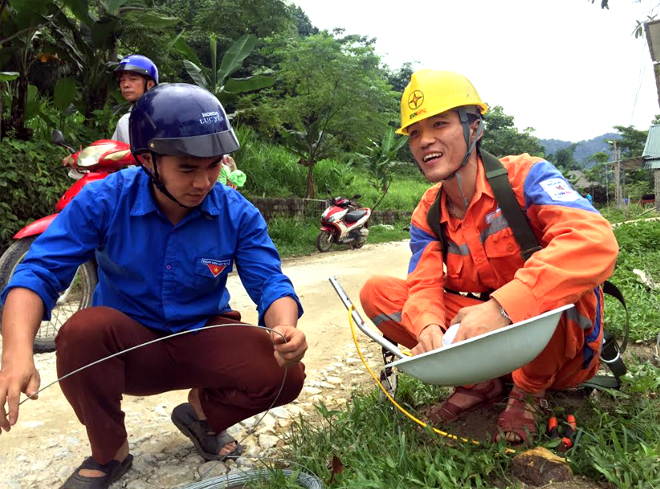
x=442, y=115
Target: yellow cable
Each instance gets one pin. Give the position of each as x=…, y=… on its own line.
x=419, y=422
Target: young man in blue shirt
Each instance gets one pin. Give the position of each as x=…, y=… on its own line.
x=165, y=237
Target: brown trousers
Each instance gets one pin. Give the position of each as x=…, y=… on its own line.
x=233, y=367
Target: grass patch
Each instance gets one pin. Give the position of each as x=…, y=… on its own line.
x=626, y=213
x=620, y=437
x=381, y=449
x=272, y=171
x=618, y=443
x=638, y=244
x=293, y=236
x=298, y=237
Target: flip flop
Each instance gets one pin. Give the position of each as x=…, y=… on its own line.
x=113, y=470
x=207, y=445
x=448, y=412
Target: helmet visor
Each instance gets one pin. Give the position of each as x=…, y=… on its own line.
x=204, y=146
x=133, y=68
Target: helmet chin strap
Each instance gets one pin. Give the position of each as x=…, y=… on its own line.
x=158, y=183
x=470, y=148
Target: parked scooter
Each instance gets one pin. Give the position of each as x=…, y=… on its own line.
x=95, y=162
x=344, y=222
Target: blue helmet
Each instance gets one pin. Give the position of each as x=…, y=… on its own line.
x=138, y=64
x=180, y=119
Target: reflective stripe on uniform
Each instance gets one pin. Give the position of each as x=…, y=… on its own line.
x=381, y=318
x=583, y=322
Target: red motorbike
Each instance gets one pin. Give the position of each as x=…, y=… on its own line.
x=344, y=222
x=95, y=162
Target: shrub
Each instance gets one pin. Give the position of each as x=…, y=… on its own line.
x=31, y=182
x=272, y=171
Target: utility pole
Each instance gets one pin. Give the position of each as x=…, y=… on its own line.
x=617, y=182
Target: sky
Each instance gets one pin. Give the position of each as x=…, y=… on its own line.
x=567, y=68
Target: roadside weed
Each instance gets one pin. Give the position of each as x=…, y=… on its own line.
x=618, y=438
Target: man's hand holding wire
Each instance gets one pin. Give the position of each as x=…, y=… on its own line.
x=16, y=376
x=290, y=346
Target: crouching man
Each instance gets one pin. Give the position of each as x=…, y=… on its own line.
x=164, y=236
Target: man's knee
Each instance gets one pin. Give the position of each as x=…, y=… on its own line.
x=295, y=378
x=88, y=328
x=372, y=290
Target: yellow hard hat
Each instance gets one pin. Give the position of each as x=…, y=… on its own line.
x=432, y=92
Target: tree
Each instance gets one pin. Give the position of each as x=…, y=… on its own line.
x=400, y=78
x=632, y=141
x=378, y=158
x=71, y=32
x=228, y=20
x=217, y=79
x=331, y=95
x=303, y=24
x=21, y=35
x=564, y=159
x=631, y=144
x=502, y=138
x=599, y=176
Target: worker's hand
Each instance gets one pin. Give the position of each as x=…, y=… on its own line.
x=17, y=375
x=429, y=339
x=68, y=161
x=478, y=320
x=291, y=350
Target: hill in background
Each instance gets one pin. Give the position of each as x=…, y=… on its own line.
x=584, y=149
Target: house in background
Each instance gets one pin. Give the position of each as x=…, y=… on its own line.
x=651, y=156
x=650, y=160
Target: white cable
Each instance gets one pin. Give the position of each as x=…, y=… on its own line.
x=236, y=480
x=84, y=367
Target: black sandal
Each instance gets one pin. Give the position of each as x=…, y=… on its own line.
x=113, y=470
x=207, y=445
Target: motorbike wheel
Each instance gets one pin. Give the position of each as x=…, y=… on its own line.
x=77, y=296
x=358, y=244
x=324, y=241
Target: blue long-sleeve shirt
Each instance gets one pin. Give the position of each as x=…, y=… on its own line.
x=165, y=277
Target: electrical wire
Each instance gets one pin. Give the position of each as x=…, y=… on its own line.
x=413, y=418
x=307, y=480
x=180, y=333
x=240, y=480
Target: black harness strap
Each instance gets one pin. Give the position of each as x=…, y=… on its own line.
x=498, y=179
x=433, y=220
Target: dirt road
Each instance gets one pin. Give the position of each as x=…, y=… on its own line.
x=48, y=442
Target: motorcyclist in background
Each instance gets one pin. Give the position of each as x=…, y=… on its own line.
x=135, y=74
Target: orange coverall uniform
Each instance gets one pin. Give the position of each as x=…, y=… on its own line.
x=579, y=253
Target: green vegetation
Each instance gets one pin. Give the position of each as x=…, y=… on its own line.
x=379, y=447
x=627, y=213
x=273, y=171
x=314, y=110
x=638, y=245
x=29, y=185
x=502, y=138
x=617, y=443
x=294, y=237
